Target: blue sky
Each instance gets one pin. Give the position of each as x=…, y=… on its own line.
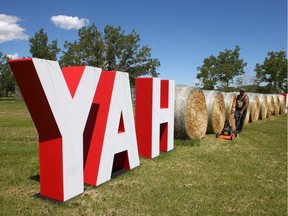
x=181, y=33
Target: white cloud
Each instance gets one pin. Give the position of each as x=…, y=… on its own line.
x=10, y=29
x=69, y=22
x=13, y=56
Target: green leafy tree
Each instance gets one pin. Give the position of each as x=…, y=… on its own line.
x=88, y=50
x=221, y=70
x=112, y=50
x=40, y=47
x=7, y=80
x=273, y=71
x=207, y=75
x=114, y=41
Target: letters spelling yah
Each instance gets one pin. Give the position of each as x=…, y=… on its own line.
x=84, y=119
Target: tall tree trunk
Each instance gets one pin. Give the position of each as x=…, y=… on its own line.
x=275, y=84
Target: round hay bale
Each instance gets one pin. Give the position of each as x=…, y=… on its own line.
x=190, y=114
x=282, y=100
x=276, y=104
x=271, y=106
x=216, y=111
x=229, y=99
x=263, y=106
x=254, y=107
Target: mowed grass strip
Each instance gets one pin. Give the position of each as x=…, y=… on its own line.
x=247, y=176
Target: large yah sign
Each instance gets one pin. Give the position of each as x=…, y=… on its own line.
x=84, y=118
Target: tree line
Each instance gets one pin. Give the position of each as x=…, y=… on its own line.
x=227, y=69
x=114, y=49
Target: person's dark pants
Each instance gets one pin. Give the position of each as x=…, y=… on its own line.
x=239, y=120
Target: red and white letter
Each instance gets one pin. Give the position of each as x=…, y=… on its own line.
x=154, y=116
x=59, y=104
x=110, y=139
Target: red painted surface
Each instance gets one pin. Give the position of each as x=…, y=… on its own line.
x=51, y=169
x=164, y=94
x=163, y=137
x=50, y=142
x=35, y=98
x=121, y=128
x=94, y=137
x=50, y=139
x=164, y=103
x=143, y=115
x=72, y=77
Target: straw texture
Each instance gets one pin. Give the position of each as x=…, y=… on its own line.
x=276, y=104
x=190, y=115
x=263, y=106
x=282, y=100
x=254, y=107
x=216, y=111
x=271, y=106
x=228, y=99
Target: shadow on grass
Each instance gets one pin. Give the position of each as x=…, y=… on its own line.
x=54, y=201
x=187, y=142
x=115, y=173
x=35, y=178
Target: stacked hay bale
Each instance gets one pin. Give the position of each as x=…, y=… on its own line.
x=276, y=104
x=216, y=111
x=282, y=100
x=254, y=107
x=271, y=106
x=229, y=99
x=247, y=114
x=198, y=112
x=263, y=106
x=190, y=114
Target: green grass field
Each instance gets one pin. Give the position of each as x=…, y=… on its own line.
x=247, y=176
